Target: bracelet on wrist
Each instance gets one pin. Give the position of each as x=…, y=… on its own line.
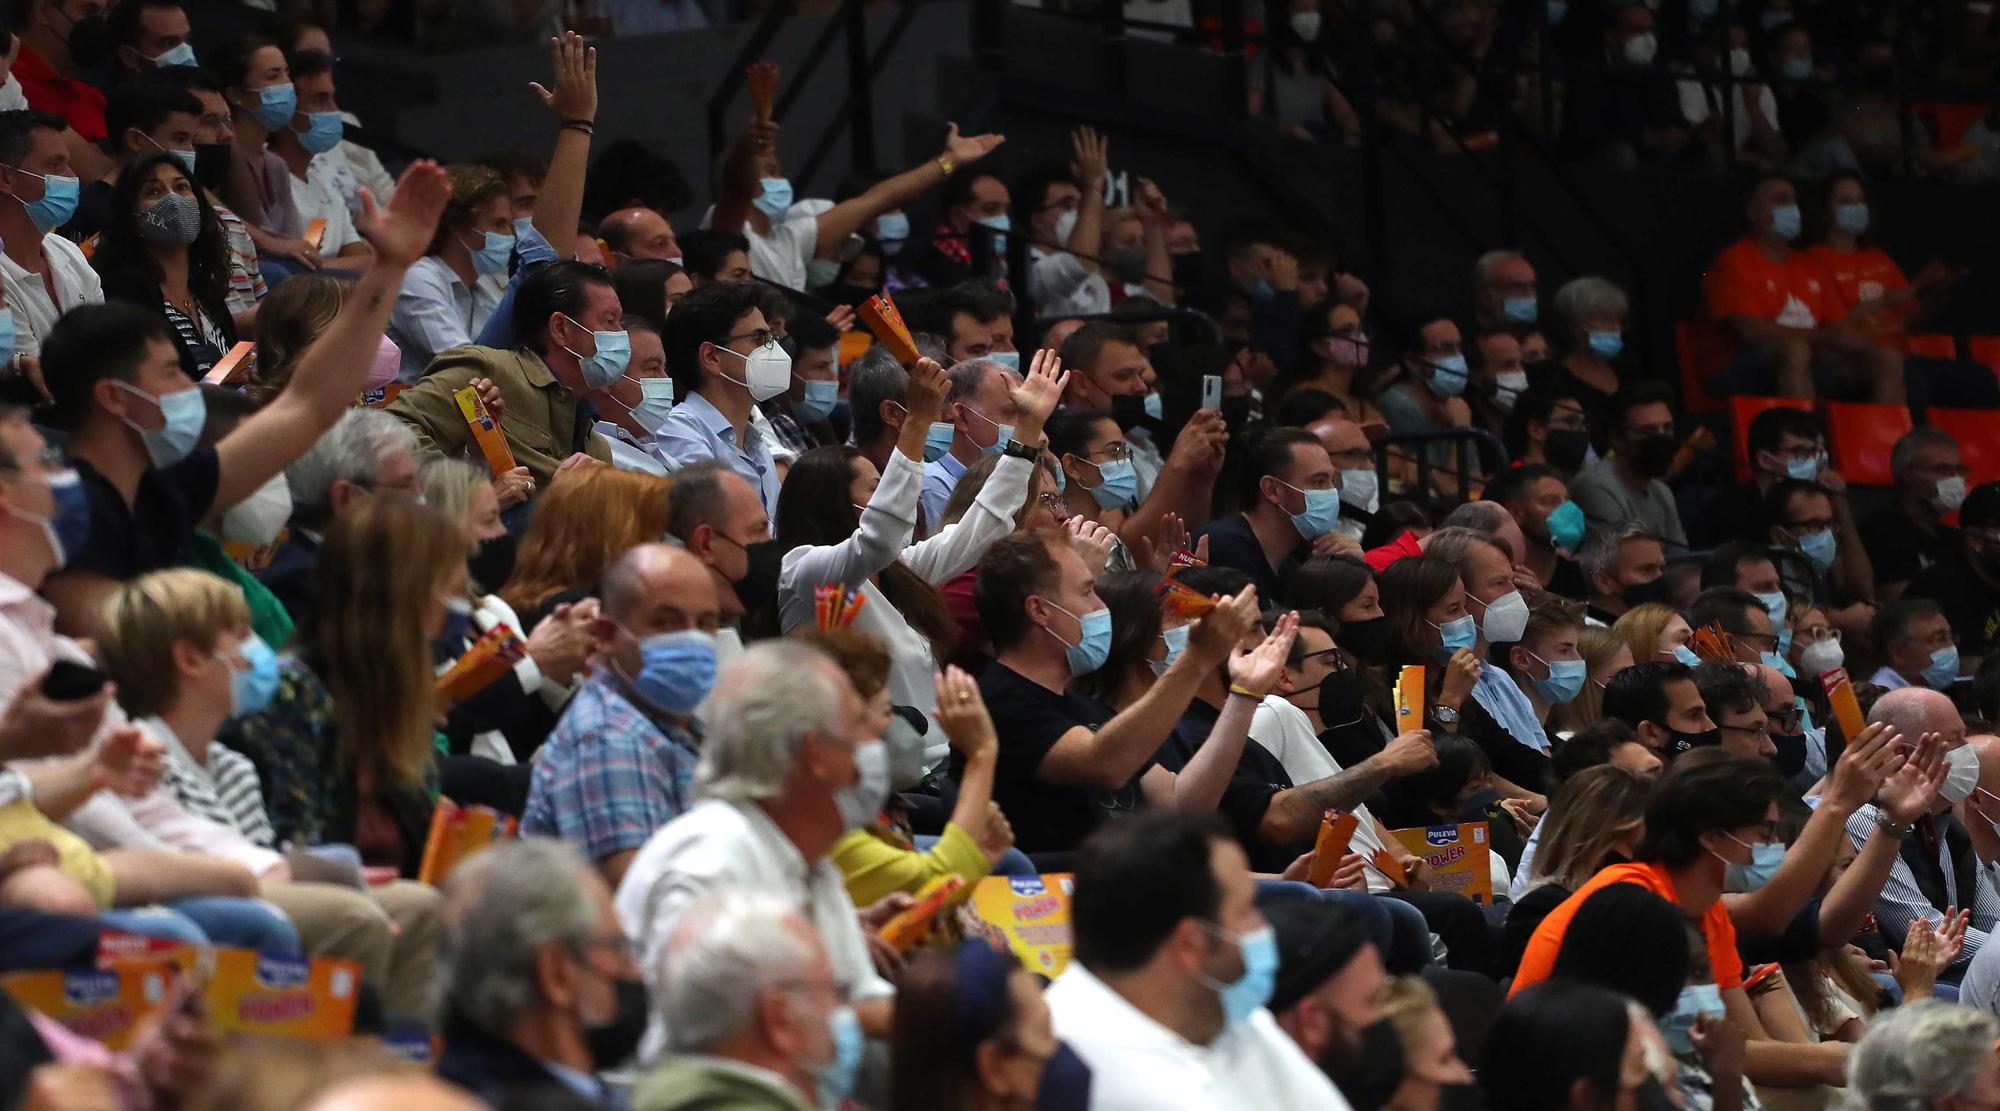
x=1892, y=826
x=1245, y=692
x=584, y=126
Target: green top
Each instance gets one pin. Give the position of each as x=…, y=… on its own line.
x=698, y=1083
x=268, y=618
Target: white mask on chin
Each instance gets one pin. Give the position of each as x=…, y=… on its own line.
x=259, y=518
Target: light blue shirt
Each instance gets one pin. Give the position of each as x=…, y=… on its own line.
x=940, y=479
x=1503, y=701
x=696, y=430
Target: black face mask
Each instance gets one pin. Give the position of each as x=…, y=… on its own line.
x=1065, y=1083
x=1679, y=742
x=211, y=164
x=1368, y=640
x=1791, y=758
x=1188, y=270
x=89, y=42
x=493, y=565
x=1638, y=594
x=1369, y=1071
x=614, y=1043
x=1236, y=411
x=1566, y=448
x=1129, y=410
x=1340, y=704
x=1652, y=455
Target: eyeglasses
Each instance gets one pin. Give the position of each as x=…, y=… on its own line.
x=1782, y=721
x=841, y=990
x=48, y=459
x=1770, y=640
x=1118, y=450
x=764, y=337
x=1334, y=657
x=1753, y=730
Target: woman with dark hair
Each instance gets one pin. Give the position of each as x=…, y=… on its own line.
x=1139, y=640
x=650, y=287
x=1613, y=927
x=164, y=249
x=1428, y=625
x=1564, y=1046
x=972, y=1033
x=840, y=523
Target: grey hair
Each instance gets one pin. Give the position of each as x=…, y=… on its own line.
x=759, y=712
x=1588, y=296
x=1916, y=1055
x=1912, y=711
x=731, y=947
x=1487, y=268
x=1904, y=455
x=875, y=377
x=1479, y=516
x=699, y=499
x=353, y=449
x=968, y=376
x=500, y=908
x=1600, y=550
x=1456, y=544
x=449, y=485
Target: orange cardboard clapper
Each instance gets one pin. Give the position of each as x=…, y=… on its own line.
x=485, y=431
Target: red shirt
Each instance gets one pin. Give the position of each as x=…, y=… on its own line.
x=79, y=103
x=1402, y=547
x=1794, y=292
x=1861, y=276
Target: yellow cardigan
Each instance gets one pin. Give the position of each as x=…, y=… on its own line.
x=874, y=865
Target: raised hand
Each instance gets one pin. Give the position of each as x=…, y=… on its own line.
x=967, y=149
x=1460, y=673
x=401, y=234
x=1910, y=793
x=1870, y=758
x=1258, y=669
x=1216, y=635
x=1040, y=392
x=1093, y=542
x=1092, y=162
x=575, y=66
x=1151, y=203
x=1409, y=753
x=1156, y=552
x=1720, y=1043
x=928, y=385
x=962, y=714
x=841, y=317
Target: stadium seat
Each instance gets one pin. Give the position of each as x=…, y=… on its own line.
x=1742, y=410
x=1978, y=434
x=1702, y=350
x=1862, y=437
x=1933, y=345
x=1949, y=119
x=1985, y=349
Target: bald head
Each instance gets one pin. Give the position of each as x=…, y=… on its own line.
x=1344, y=440
x=397, y=1093
x=639, y=233
x=1987, y=747
x=1778, y=694
x=657, y=588
x=1914, y=711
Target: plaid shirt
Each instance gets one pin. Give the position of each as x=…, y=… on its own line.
x=609, y=775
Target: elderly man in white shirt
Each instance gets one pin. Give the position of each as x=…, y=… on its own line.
x=1173, y=966
x=779, y=782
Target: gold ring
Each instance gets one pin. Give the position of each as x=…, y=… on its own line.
x=965, y=696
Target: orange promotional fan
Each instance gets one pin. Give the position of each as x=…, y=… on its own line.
x=763, y=87
x=1181, y=601
x=1410, y=699
x=1711, y=643
x=879, y=314
x=1335, y=831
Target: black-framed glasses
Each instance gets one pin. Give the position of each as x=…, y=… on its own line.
x=1763, y=730
x=764, y=337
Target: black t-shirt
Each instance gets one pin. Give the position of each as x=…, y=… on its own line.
x=1517, y=763
x=1029, y=719
x=1256, y=781
x=1899, y=549
x=1970, y=603
x=1568, y=580
x=158, y=530
x=1232, y=544
x=1796, y=943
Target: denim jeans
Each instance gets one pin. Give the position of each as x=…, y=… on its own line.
x=1399, y=930
x=213, y=920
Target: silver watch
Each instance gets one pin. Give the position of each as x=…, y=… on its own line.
x=1444, y=715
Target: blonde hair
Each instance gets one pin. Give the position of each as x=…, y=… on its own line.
x=383, y=566
x=1406, y=1002
x=588, y=517
x=295, y=314
x=1597, y=646
x=449, y=485
x=1590, y=812
x=472, y=185
x=144, y=619
x=1640, y=629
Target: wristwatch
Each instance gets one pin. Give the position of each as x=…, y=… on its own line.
x=1896, y=829
x=1019, y=450
x=1444, y=715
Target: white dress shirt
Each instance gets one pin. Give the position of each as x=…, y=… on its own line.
x=318, y=198
x=1136, y=1064
x=630, y=453
x=35, y=312
x=782, y=256
x=435, y=312
x=697, y=430
x=718, y=844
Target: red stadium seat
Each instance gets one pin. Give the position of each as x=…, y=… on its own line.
x=1985, y=349
x=1949, y=119
x=1978, y=434
x=1743, y=410
x=1932, y=345
x=1862, y=437
x=1702, y=350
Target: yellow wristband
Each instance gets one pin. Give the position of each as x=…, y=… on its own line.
x=947, y=164
x=1234, y=689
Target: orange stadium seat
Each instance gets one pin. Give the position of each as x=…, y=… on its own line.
x=1702, y=350
x=1978, y=434
x=1933, y=345
x=1985, y=349
x=1743, y=410
x=1862, y=437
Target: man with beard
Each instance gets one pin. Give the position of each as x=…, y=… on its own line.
x=1328, y=997
x=1627, y=488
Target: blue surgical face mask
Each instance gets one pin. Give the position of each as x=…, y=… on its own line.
x=1566, y=526
x=776, y=198
x=1565, y=680
x=1088, y=653
x=892, y=227
x=1786, y=222
x=656, y=400
x=251, y=688
x=1695, y=1001
x=182, y=55
x=1322, y=510
x=1459, y=632
x=1518, y=310
x=1240, y=1000
x=491, y=256
x=183, y=411
x=818, y=401
x=68, y=528
x=606, y=364
x=1448, y=376
x=1607, y=345
x=1152, y=406
x=1009, y=359
x=1795, y=68
x=676, y=669
x=1851, y=218
x=1001, y=432
x=937, y=440
x=1177, y=639
x=1118, y=484
x=1765, y=857
x=1775, y=602
x=1263, y=291
x=1686, y=655
x=323, y=132
x=58, y=202
x=1780, y=664
x=276, y=104
x=835, y=1079
x=1802, y=470
x=6, y=335
x=1000, y=225
x=1943, y=669
x=1819, y=548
